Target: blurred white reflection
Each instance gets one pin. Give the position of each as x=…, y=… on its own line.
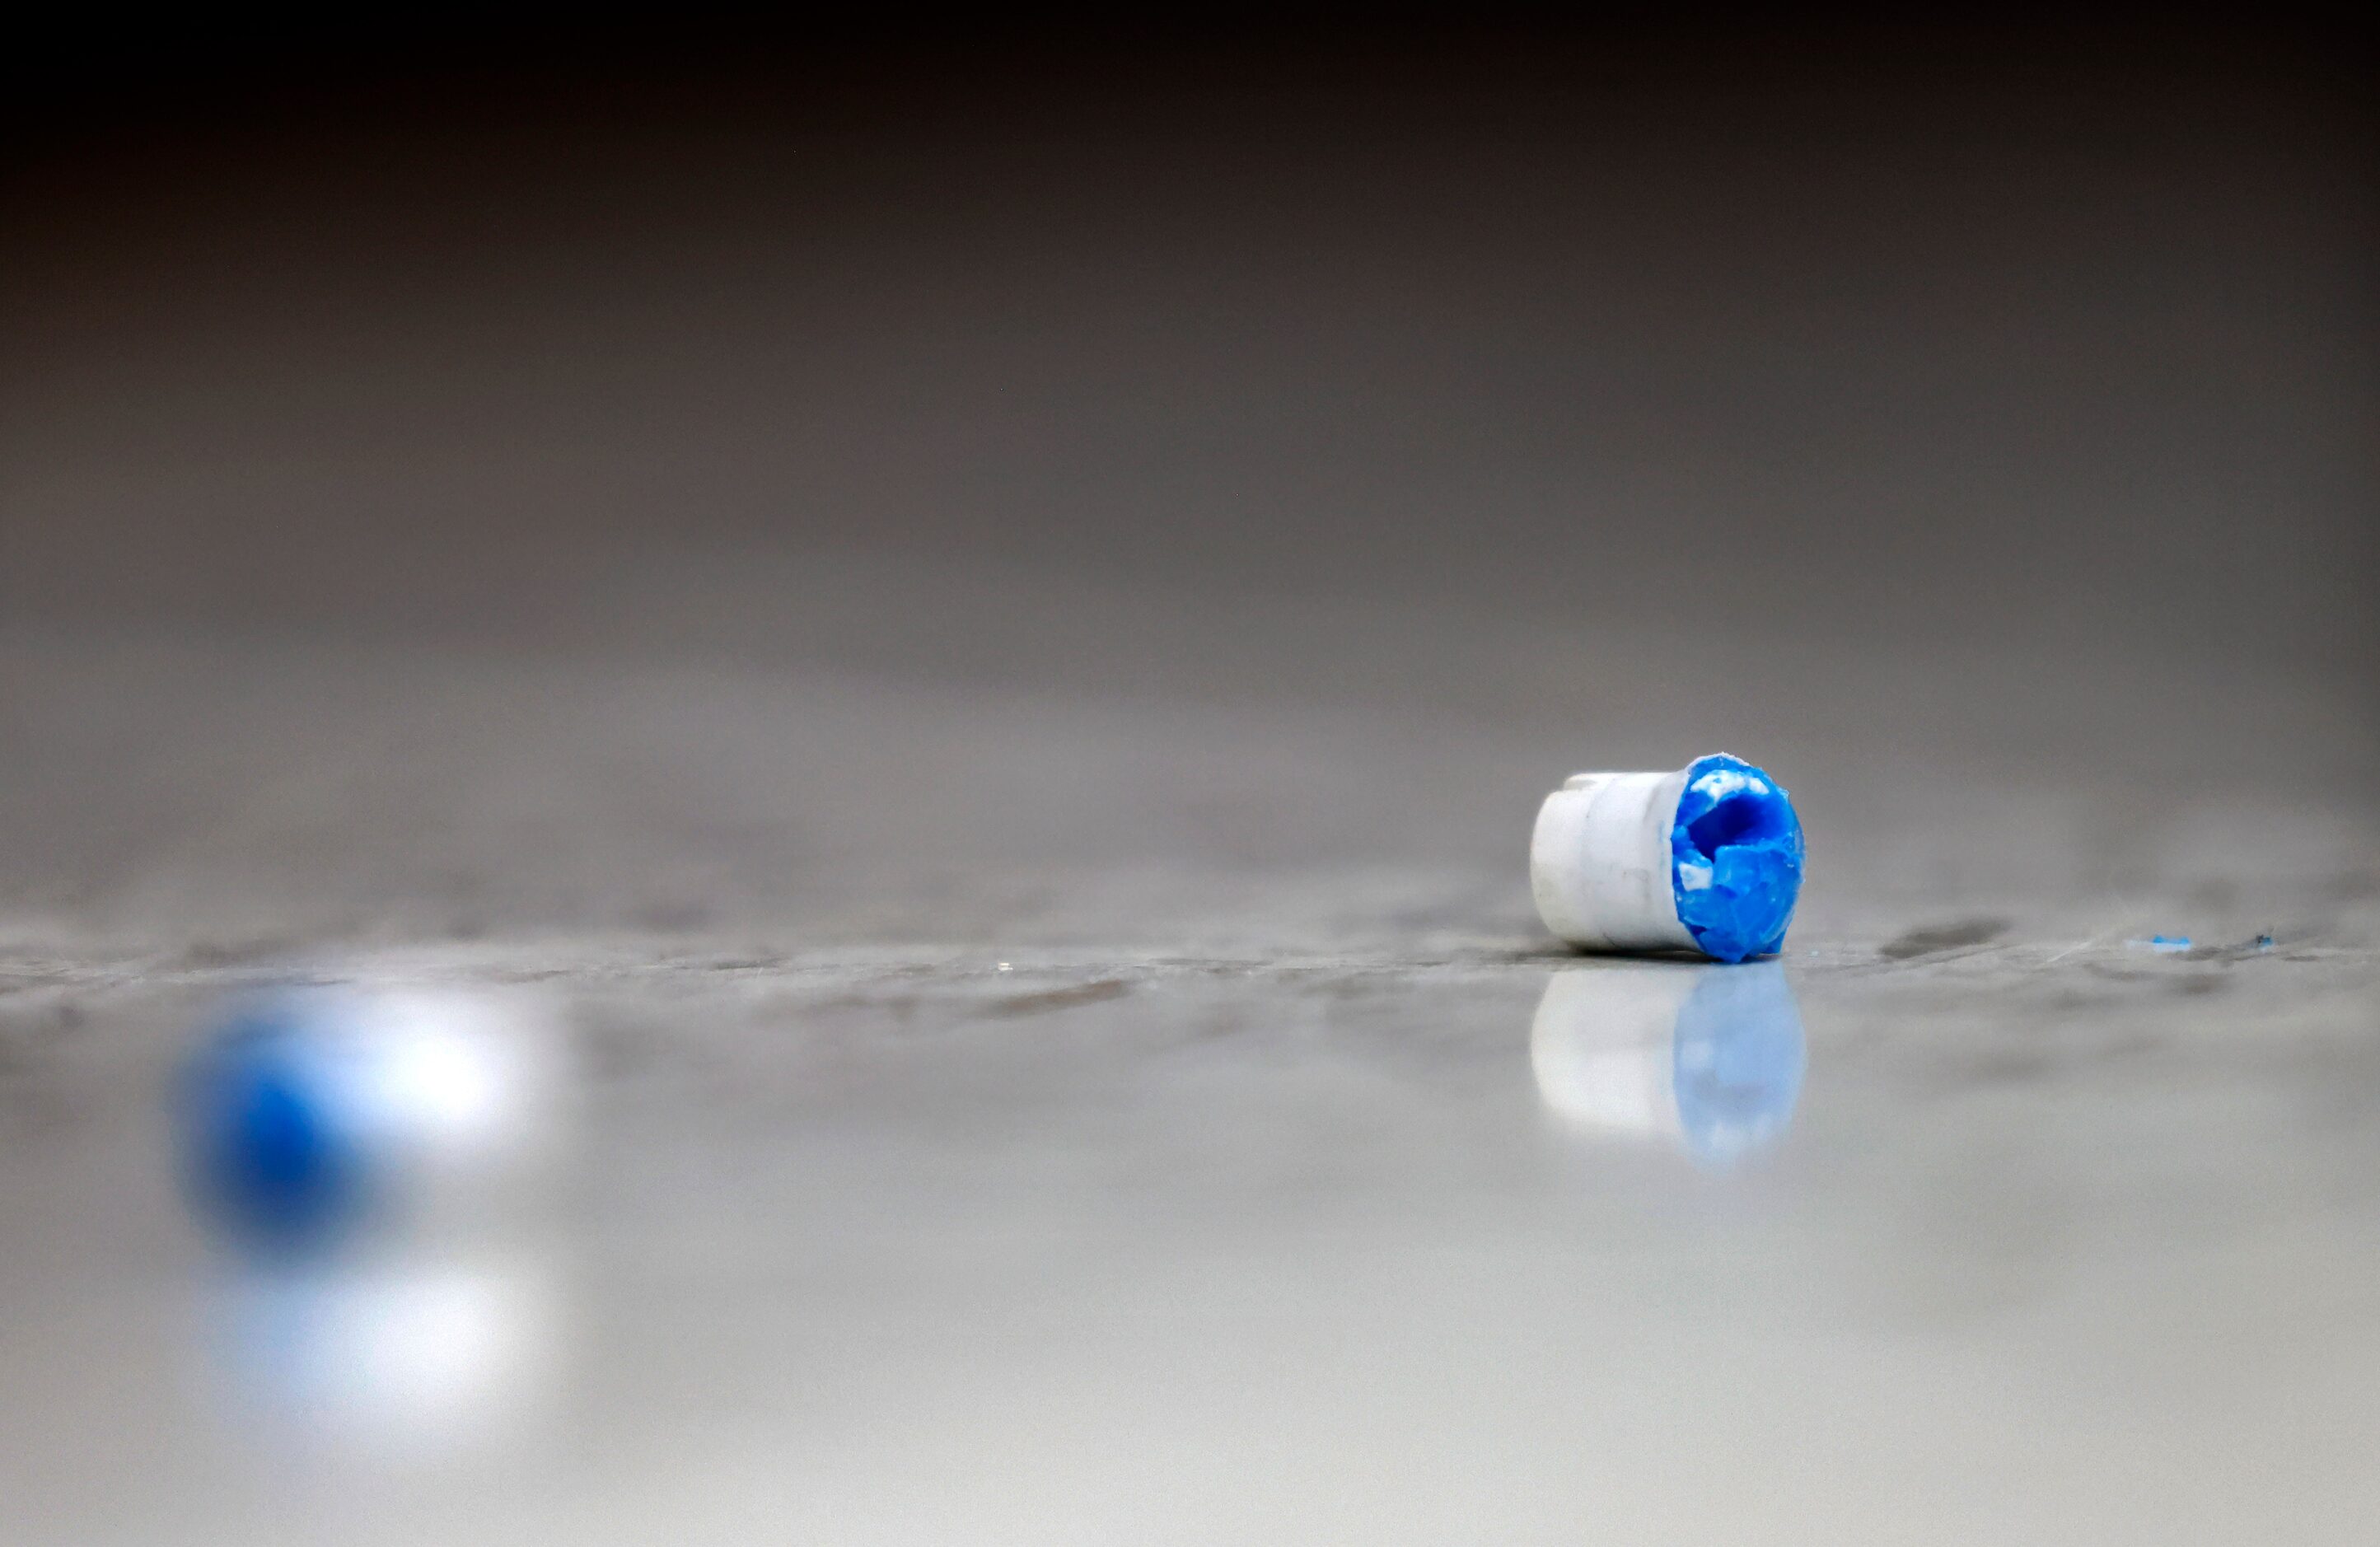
x=369, y=1160
x=1709, y=1059
x=410, y=1355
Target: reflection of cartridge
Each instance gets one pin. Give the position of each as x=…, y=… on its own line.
x=1710, y=1058
x=1707, y=859
x=403, y=1355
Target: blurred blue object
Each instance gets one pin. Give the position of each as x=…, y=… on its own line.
x=310, y=1113
x=357, y=1149
x=270, y=1153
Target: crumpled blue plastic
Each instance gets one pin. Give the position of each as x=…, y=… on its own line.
x=1735, y=859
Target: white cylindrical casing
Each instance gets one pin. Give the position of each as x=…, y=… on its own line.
x=1599, y=862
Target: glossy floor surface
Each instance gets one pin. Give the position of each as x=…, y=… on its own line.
x=1178, y=1130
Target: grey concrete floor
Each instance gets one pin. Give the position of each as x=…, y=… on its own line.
x=1132, y=1110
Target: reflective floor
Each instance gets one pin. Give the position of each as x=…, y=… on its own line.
x=991, y=1115
x=1972, y=1240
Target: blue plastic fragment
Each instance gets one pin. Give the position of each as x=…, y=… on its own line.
x=2164, y=945
x=1735, y=858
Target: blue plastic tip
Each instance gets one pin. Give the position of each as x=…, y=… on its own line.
x=1735, y=859
x=266, y=1150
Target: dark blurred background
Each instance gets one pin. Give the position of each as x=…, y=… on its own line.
x=1011, y=421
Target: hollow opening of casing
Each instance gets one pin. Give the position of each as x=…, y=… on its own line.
x=1741, y=816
